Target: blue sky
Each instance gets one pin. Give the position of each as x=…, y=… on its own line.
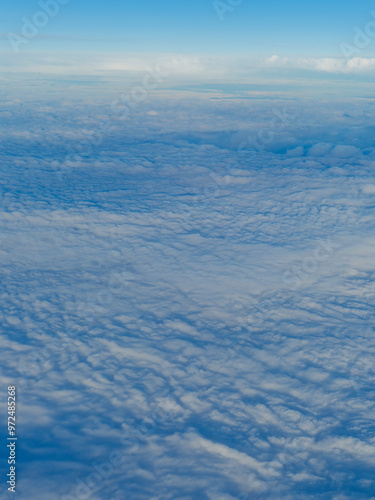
x=288, y=28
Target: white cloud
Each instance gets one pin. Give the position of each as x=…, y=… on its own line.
x=324, y=64
x=195, y=67
x=127, y=291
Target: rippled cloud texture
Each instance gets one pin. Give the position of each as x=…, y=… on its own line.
x=188, y=302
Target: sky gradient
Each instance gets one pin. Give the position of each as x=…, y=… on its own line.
x=290, y=28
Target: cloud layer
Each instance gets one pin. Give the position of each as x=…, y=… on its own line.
x=188, y=312
x=188, y=67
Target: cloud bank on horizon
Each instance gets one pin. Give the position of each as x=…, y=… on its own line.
x=201, y=68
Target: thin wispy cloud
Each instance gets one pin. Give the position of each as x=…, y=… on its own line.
x=198, y=67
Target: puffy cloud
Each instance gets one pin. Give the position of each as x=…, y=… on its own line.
x=345, y=151
x=320, y=149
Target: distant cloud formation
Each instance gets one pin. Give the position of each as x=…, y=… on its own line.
x=354, y=65
x=186, y=67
